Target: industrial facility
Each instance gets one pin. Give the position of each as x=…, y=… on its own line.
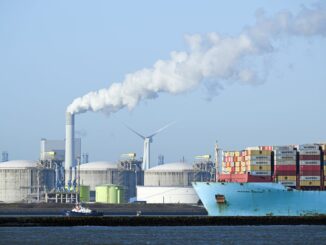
x=60, y=176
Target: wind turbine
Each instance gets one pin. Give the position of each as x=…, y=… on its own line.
x=147, y=141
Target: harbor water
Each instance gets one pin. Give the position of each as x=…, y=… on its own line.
x=300, y=234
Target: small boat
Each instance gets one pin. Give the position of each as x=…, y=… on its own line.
x=80, y=211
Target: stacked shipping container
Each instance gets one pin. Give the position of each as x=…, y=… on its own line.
x=309, y=166
x=258, y=162
x=233, y=163
x=300, y=166
x=285, y=165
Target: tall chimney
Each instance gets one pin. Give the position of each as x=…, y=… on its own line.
x=69, y=153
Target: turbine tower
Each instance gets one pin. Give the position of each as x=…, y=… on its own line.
x=147, y=142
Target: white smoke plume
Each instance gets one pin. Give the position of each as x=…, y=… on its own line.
x=210, y=57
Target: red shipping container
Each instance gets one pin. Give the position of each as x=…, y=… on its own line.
x=307, y=168
x=285, y=168
x=243, y=178
x=310, y=173
x=254, y=178
x=285, y=173
x=309, y=157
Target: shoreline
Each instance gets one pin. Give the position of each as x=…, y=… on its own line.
x=161, y=221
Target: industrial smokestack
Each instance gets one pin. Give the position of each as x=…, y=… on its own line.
x=69, y=153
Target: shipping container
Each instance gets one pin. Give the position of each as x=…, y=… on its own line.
x=310, y=162
x=309, y=157
x=285, y=168
x=267, y=148
x=284, y=149
x=309, y=183
x=254, y=148
x=308, y=147
x=289, y=178
x=249, y=163
x=259, y=168
x=285, y=173
x=258, y=152
x=258, y=158
x=309, y=152
x=308, y=168
x=262, y=173
x=310, y=178
x=284, y=163
x=288, y=183
x=285, y=158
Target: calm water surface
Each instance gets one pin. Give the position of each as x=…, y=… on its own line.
x=165, y=235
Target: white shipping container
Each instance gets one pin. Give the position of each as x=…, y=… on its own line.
x=253, y=148
x=261, y=173
x=310, y=162
x=310, y=152
x=259, y=163
x=309, y=177
x=309, y=147
x=285, y=152
x=288, y=183
x=260, y=158
x=284, y=158
x=283, y=148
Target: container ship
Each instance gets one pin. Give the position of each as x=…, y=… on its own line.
x=267, y=181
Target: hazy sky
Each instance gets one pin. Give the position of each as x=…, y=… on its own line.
x=52, y=52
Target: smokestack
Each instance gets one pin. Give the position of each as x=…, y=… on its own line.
x=69, y=153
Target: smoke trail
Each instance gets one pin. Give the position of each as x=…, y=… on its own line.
x=210, y=57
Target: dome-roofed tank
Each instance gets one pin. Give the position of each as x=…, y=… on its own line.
x=175, y=167
x=18, y=164
x=99, y=165
x=19, y=180
x=170, y=174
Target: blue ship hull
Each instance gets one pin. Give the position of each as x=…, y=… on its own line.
x=259, y=199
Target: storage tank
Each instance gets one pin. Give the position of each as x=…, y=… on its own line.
x=170, y=174
x=113, y=194
x=22, y=180
x=84, y=193
x=169, y=183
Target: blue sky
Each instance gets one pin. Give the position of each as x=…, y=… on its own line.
x=54, y=51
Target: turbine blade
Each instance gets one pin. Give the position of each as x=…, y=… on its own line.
x=141, y=136
x=161, y=129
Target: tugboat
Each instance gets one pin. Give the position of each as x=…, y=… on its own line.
x=80, y=211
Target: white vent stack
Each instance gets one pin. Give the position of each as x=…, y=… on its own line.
x=69, y=152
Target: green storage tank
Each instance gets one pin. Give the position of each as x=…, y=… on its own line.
x=113, y=194
x=84, y=193
x=102, y=194
x=120, y=195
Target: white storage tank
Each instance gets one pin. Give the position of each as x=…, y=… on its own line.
x=19, y=180
x=97, y=173
x=170, y=174
x=171, y=194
